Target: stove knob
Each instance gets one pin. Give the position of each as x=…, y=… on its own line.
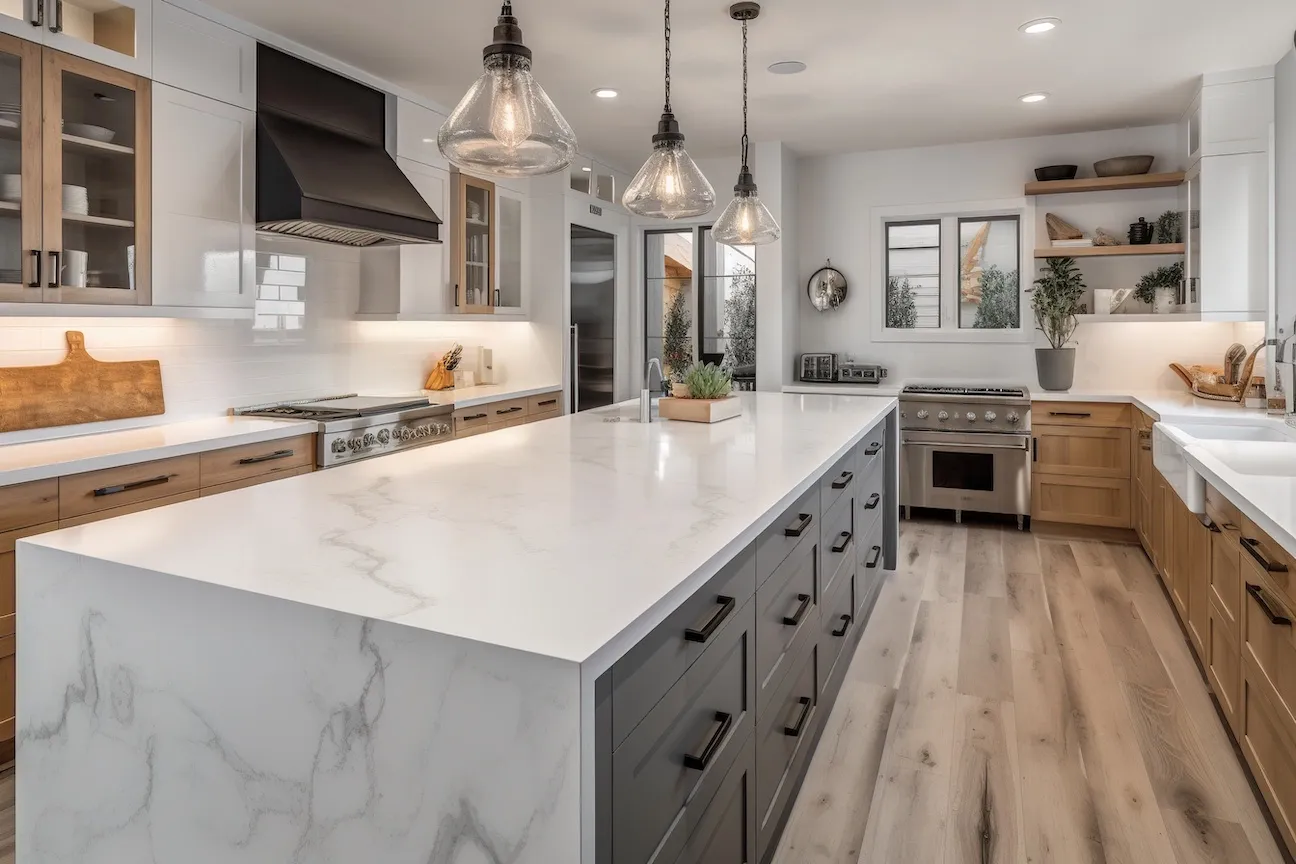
x=1013, y=418
x=368, y=439
x=991, y=416
x=355, y=444
x=923, y=415
x=944, y=415
x=971, y=417
x=383, y=436
x=339, y=445
x=443, y=428
x=421, y=431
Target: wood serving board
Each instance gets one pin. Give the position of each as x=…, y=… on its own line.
x=81, y=389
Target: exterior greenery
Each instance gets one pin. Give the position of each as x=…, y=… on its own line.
x=1056, y=298
x=677, y=345
x=740, y=321
x=707, y=381
x=999, y=309
x=901, y=310
x=1163, y=277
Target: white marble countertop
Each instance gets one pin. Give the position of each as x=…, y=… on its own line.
x=38, y=460
x=480, y=394
x=568, y=539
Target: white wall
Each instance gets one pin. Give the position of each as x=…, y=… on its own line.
x=1285, y=191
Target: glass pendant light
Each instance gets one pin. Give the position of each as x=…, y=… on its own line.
x=746, y=221
x=669, y=185
x=506, y=123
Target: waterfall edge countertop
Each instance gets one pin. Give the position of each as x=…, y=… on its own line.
x=568, y=539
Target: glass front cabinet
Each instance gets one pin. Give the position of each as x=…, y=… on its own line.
x=488, y=223
x=74, y=179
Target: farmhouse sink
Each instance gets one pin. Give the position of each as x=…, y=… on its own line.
x=1233, y=432
x=1255, y=446
x=1258, y=458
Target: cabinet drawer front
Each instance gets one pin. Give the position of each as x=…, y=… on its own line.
x=1081, y=500
x=547, y=415
x=507, y=409
x=233, y=464
x=648, y=670
x=1268, y=646
x=869, y=571
x=137, y=507
x=8, y=688
x=675, y=758
x=1222, y=511
x=1270, y=748
x=9, y=569
x=29, y=504
x=839, y=482
x=727, y=832
x=1080, y=414
x=783, y=738
x=518, y=420
x=472, y=418
x=96, y=491
x=776, y=542
x=468, y=432
x=837, y=543
x=257, y=480
x=1260, y=550
x=1082, y=451
x=869, y=494
x=1226, y=580
x=544, y=403
x=837, y=625
x=871, y=451
x=1225, y=670
x=786, y=606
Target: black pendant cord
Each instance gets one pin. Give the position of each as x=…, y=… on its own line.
x=744, y=135
x=667, y=109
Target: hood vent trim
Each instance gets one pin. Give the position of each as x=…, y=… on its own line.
x=324, y=233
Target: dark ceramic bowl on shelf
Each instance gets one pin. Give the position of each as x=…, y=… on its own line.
x=1124, y=166
x=1056, y=172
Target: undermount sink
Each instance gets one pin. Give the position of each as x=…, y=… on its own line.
x=1264, y=458
x=1233, y=432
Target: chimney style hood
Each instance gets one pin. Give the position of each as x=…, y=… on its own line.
x=323, y=171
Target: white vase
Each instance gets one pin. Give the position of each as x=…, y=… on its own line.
x=1165, y=301
x=1102, y=301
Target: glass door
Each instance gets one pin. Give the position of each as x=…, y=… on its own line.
x=20, y=171
x=475, y=244
x=97, y=183
x=115, y=32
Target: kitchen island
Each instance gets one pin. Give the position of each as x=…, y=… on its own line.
x=420, y=658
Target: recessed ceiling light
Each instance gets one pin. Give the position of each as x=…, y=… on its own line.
x=787, y=67
x=587, y=169
x=1040, y=25
x=1034, y=97
x=429, y=140
x=605, y=92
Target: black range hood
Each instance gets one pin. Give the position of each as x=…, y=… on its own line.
x=323, y=172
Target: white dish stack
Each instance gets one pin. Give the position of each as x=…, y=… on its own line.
x=76, y=199
x=11, y=187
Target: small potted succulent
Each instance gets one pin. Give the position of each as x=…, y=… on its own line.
x=709, y=396
x=1055, y=299
x=1160, y=288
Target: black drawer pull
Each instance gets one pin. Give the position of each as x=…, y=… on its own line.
x=802, y=523
x=268, y=457
x=797, y=728
x=547, y=402
x=1258, y=595
x=877, y=556
x=872, y=449
x=873, y=501
x=512, y=410
x=845, y=541
x=723, y=723
x=1253, y=546
x=795, y=618
x=844, y=480
x=726, y=609
x=841, y=631
x=1078, y=414
x=130, y=487
x=475, y=417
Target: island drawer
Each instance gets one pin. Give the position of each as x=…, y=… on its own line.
x=113, y=488
x=784, y=736
x=25, y=504
x=1110, y=414
x=648, y=670
x=776, y=542
x=667, y=770
x=839, y=482
x=837, y=626
x=543, y=403
x=235, y=464
x=786, y=607
x=727, y=832
x=869, y=452
x=872, y=558
x=837, y=544
x=869, y=491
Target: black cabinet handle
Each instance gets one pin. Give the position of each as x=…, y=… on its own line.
x=1253, y=547
x=845, y=541
x=723, y=723
x=130, y=487
x=844, y=480
x=802, y=523
x=55, y=258
x=547, y=402
x=512, y=410
x=1077, y=414
x=877, y=555
x=797, y=728
x=872, y=449
x=726, y=609
x=873, y=501
x=1208, y=523
x=1258, y=595
x=1034, y=449
x=268, y=457
x=841, y=631
x=475, y=417
x=795, y=618
x=36, y=282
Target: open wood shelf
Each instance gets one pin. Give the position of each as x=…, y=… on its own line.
x=1105, y=184
x=1110, y=251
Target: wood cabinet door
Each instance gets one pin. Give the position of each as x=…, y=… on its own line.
x=1075, y=500
x=1198, y=557
x=21, y=256
x=1180, y=565
x=1082, y=451
x=1226, y=579
x=473, y=238
x=1157, y=528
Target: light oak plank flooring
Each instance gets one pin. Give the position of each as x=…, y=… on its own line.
x=1024, y=699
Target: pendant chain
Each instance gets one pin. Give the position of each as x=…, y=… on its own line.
x=668, y=57
x=744, y=138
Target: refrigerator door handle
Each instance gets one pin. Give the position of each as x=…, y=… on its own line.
x=575, y=368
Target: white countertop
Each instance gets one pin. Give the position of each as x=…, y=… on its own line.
x=467, y=397
x=568, y=539
x=38, y=460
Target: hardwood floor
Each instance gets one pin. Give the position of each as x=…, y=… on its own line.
x=1023, y=699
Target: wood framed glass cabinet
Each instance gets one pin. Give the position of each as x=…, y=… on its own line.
x=472, y=234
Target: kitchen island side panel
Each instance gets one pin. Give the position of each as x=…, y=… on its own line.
x=167, y=720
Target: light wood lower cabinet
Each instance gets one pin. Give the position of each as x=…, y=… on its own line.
x=1197, y=563
x=1082, y=470
x=1083, y=451
x=505, y=413
x=1101, y=501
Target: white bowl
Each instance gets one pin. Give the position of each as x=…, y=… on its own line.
x=86, y=130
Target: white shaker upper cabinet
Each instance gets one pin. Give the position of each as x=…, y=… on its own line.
x=204, y=201
x=1228, y=236
x=117, y=33
x=203, y=57
x=416, y=133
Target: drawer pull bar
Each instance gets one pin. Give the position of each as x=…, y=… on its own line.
x=1258, y=595
x=268, y=457
x=873, y=501
x=845, y=541
x=877, y=556
x=726, y=609
x=802, y=523
x=513, y=410
x=795, y=618
x=723, y=723
x=795, y=730
x=841, y=631
x=547, y=402
x=131, y=487
x=872, y=449
x=475, y=417
x=1079, y=414
x=844, y=480
x=1253, y=547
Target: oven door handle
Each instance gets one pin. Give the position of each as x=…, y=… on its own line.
x=1024, y=444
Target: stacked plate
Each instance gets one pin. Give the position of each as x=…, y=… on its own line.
x=86, y=130
x=10, y=187
x=76, y=199
x=10, y=115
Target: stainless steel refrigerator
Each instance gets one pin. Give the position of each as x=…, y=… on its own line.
x=593, y=317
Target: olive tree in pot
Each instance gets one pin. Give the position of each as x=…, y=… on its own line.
x=1055, y=299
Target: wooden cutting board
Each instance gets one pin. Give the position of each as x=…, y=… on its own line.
x=81, y=389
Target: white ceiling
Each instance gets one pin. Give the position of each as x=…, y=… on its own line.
x=882, y=73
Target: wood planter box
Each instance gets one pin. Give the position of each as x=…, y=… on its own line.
x=700, y=410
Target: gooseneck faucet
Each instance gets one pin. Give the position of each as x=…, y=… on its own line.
x=645, y=396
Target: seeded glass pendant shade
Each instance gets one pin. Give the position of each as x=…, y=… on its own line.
x=506, y=124
x=669, y=185
x=746, y=221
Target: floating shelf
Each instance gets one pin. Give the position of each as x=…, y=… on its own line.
x=97, y=220
x=1110, y=251
x=1145, y=318
x=1105, y=184
x=89, y=145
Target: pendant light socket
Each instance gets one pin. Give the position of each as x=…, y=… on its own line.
x=744, y=11
x=746, y=184
x=508, y=36
x=668, y=130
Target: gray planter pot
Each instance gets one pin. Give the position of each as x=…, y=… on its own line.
x=1056, y=367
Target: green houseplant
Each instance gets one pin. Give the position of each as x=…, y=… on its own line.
x=707, y=381
x=1160, y=288
x=1054, y=300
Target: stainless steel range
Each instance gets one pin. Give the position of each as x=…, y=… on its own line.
x=353, y=427
x=966, y=448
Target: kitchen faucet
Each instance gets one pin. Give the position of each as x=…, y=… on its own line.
x=645, y=396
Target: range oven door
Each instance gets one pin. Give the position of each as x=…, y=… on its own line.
x=985, y=473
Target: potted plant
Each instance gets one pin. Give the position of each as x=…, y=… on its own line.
x=1054, y=300
x=1160, y=288
x=710, y=396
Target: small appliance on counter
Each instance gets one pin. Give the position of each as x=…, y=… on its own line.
x=819, y=368
x=832, y=369
x=860, y=373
